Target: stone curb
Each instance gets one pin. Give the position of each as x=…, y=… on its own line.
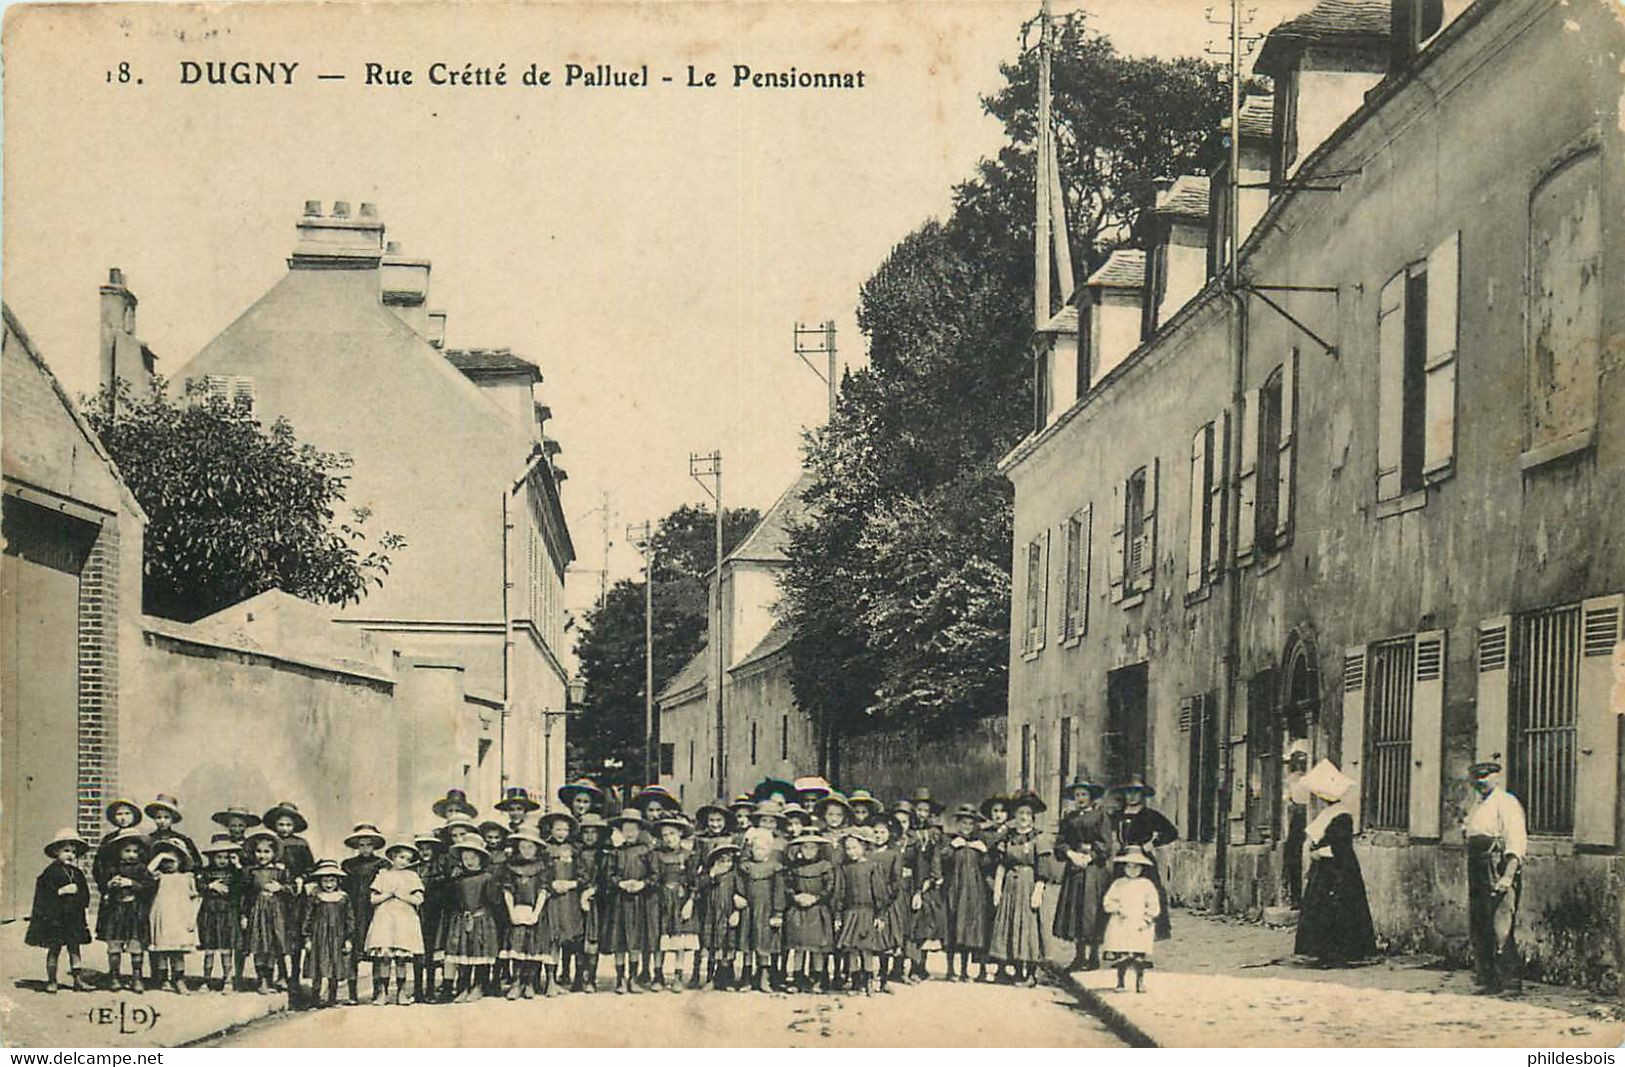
x=1119, y=1024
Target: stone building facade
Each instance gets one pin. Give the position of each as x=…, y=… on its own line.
x=1408, y=531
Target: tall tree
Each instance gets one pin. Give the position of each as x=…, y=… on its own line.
x=608, y=739
x=899, y=579
x=234, y=508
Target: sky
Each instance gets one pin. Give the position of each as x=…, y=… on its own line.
x=650, y=249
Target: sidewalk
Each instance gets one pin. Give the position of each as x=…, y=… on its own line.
x=1225, y=982
x=30, y=1017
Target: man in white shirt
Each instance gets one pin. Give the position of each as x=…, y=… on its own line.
x=1497, y=843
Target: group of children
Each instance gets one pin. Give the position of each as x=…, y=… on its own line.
x=793, y=887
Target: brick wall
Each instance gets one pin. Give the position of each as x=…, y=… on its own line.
x=98, y=681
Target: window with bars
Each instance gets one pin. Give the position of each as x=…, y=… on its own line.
x=1064, y=764
x=1390, y=689
x=1078, y=542
x=1545, y=708
x=784, y=737
x=753, y=743
x=691, y=757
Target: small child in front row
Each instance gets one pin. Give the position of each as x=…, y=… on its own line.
x=394, y=933
x=809, y=921
x=219, y=884
x=1132, y=907
x=126, y=885
x=61, y=896
x=268, y=889
x=327, y=934
x=172, y=918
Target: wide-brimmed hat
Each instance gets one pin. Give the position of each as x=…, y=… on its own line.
x=684, y=827
x=862, y=798
x=66, y=837
x=225, y=815
x=221, y=843
x=364, y=831
x=742, y=804
x=721, y=848
x=768, y=786
x=592, y=821
x=626, y=815
x=986, y=807
x=532, y=834
x=581, y=785
x=459, y=822
x=1028, y=799
x=402, y=843
x=706, y=809
x=903, y=807
x=167, y=847
x=290, y=810
x=1483, y=768
x=650, y=793
x=968, y=811
x=426, y=837
x=455, y=802
x=470, y=843
x=1083, y=784
x=795, y=808
x=768, y=809
x=563, y=815
x=325, y=869
x=833, y=797
x=814, y=785
x=811, y=837
x=260, y=833
x=922, y=795
x=131, y=836
x=121, y=802
x=516, y=798
x=164, y=802
x=1324, y=780
x=1136, y=781
x=493, y=826
x=1132, y=854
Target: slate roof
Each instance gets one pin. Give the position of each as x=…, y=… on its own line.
x=1353, y=22
x=1186, y=197
x=1257, y=115
x=1123, y=269
x=693, y=674
x=1064, y=321
x=767, y=542
x=775, y=640
x=474, y=361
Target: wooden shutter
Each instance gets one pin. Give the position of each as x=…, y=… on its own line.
x=1043, y=581
x=1494, y=681
x=1353, y=760
x=1086, y=549
x=1597, y=768
x=1116, y=555
x=1390, y=386
x=1248, y=488
x=1427, y=733
x=1443, y=327
x=1218, y=495
x=1240, y=802
x=1148, y=529
x=1285, y=471
x=1196, y=540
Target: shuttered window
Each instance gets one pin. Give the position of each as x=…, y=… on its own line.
x=1201, y=481
x=1140, y=529
x=1198, y=715
x=1545, y=709
x=1565, y=303
x=1079, y=534
x=1033, y=638
x=1418, y=332
x=233, y=390
x=1389, y=690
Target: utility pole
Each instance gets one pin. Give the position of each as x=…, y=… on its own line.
x=831, y=378
x=1041, y=180
x=701, y=467
x=642, y=538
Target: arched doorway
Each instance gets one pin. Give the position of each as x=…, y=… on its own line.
x=1298, y=719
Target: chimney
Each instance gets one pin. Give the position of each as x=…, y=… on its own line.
x=1109, y=314
x=1322, y=63
x=1055, y=356
x=337, y=241
x=1412, y=25
x=122, y=355
x=404, y=286
x=437, y=329
x=1176, y=266
x=1256, y=151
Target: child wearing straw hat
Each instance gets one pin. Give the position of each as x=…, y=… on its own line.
x=394, y=933
x=1018, y=895
x=126, y=885
x=219, y=910
x=328, y=933
x=674, y=876
x=592, y=835
x=165, y=813
x=809, y=918
x=434, y=871
x=966, y=895
x=861, y=899
x=714, y=891
x=267, y=889
x=296, y=856
x=472, y=939
x=1131, y=905
x=563, y=918
x=61, y=897
x=172, y=915
x=524, y=892
x=359, y=871
x=759, y=896
x=632, y=909
x=121, y=815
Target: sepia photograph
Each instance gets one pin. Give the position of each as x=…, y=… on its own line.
x=851, y=524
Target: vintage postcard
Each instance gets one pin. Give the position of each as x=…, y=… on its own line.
x=721, y=524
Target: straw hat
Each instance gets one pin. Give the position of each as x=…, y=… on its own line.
x=66, y=837
x=795, y=808
x=470, y=843
x=221, y=843
x=684, y=827
x=768, y=809
x=557, y=815
x=1324, y=780
x=592, y=821
x=289, y=809
x=650, y=793
x=225, y=815
x=721, y=848
x=742, y=804
x=1029, y=800
x=922, y=795
x=967, y=811
x=167, y=847
x=861, y=798
x=706, y=809
x=402, y=843
x=768, y=786
x=122, y=802
x=364, y=831
x=131, y=836
x=492, y=826
x=1082, y=784
x=325, y=869
x=455, y=802
x=812, y=787
x=627, y=815
x=581, y=785
x=834, y=797
x=517, y=798
x=1132, y=854
x=259, y=834
x=528, y=833
x=163, y=802
x=425, y=838
x=459, y=822
x=1136, y=781
x=811, y=837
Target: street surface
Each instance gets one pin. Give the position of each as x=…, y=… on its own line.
x=934, y=1013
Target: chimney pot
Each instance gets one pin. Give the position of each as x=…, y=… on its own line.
x=115, y=276
x=313, y=207
x=369, y=210
x=390, y=247
x=341, y=209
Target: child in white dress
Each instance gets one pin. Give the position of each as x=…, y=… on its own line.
x=1132, y=906
x=174, y=915
x=395, y=936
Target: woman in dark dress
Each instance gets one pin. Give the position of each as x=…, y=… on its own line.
x=1136, y=824
x=1084, y=847
x=1334, y=926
